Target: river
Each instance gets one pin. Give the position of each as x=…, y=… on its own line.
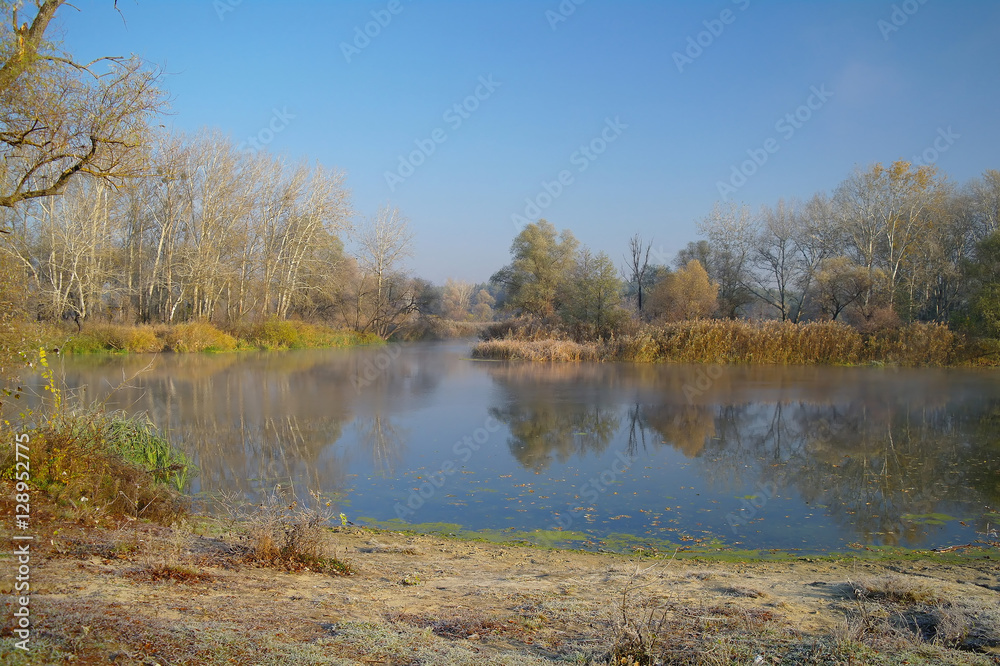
x=612, y=456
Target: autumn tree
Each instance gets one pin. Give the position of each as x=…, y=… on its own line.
x=594, y=293
x=60, y=119
x=687, y=293
x=483, y=304
x=885, y=212
x=536, y=279
x=840, y=282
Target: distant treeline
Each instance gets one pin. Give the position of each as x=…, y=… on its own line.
x=891, y=248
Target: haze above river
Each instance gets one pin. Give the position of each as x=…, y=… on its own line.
x=610, y=455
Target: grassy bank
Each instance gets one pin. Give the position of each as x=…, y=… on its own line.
x=205, y=337
x=738, y=341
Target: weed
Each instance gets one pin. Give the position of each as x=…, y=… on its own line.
x=896, y=589
x=196, y=336
x=279, y=531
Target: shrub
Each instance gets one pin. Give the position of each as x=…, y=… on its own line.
x=280, y=531
x=127, y=338
x=106, y=465
x=197, y=336
x=294, y=334
x=274, y=334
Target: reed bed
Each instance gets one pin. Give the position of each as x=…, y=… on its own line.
x=537, y=350
x=737, y=342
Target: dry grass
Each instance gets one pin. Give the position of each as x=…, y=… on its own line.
x=894, y=611
x=278, y=531
x=896, y=589
x=202, y=336
x=730, y=341
x=541, y=350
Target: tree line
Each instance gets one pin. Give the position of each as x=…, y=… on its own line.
x=211, y=232
x=890, y=244
x=105, y=216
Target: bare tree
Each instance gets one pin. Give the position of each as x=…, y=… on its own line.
x=383, y=296
x=817, y=237
x=636, y=270
x=730, y=229
x=59, y=118
x=456, y=299
x=984, y=202
x=775, y=258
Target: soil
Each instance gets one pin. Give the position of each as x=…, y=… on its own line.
x=145, y=594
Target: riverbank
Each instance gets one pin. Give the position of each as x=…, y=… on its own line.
x=201, y=336
x=139, y=593
x=742, y=342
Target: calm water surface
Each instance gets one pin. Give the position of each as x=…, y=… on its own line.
x=593, y=455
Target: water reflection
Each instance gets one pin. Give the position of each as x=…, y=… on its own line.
x=384, y=441
x=879, y=451
x=871, y=455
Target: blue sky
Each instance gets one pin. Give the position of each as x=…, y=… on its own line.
x=537, y=81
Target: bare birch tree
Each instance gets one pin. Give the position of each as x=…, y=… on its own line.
x=384, y=296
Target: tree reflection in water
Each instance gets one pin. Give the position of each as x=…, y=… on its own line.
x=852, y=453
x=876, y=456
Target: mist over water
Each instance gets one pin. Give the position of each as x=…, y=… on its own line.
x=811, y=458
